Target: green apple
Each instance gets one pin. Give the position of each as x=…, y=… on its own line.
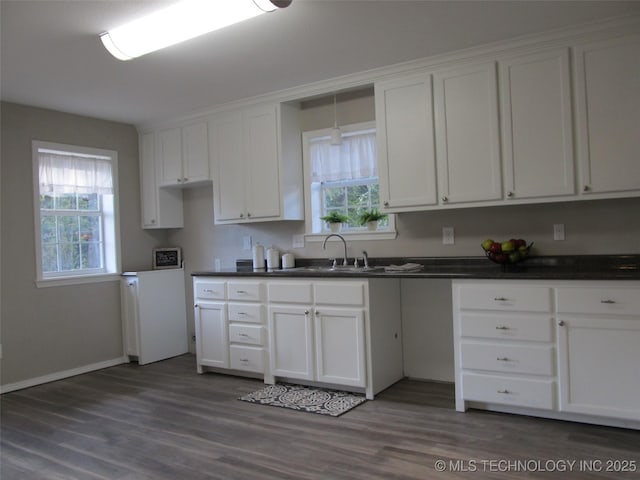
x=507, y=246
x=487, y=243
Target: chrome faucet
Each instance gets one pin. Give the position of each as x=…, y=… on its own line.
x=324, y=246
x=366, y=258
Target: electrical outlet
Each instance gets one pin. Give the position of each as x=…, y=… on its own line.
x=448, y=237
x=558, y=231
x=193, y=338
x=246, y=242
x=297, y=241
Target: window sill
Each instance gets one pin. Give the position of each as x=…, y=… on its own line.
x=77, y=280
x=363, y=235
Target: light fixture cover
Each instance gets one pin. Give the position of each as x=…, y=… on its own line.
x=180, y=22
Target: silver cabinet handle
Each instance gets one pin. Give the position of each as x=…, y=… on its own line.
x=185, y=179
x=502, y=359
x=242, y=215
x=244, y=360
x=502, y=327
x=561, y=323
x=248, y=214
x=241, y=291
x=179, y=180
x=386, y=204
x=586, y=188
x=243, y=335
x=509, y=194
x=242, y=313
x=317, y=312
x=445, y=199
x=505, y=391
x=306, y=312
x=500, y=299
x=610, y=302
x=153, y=220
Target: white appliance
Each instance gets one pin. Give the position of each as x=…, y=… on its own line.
x=154, y=315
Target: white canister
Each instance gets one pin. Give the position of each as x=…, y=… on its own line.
x=273, y=258
x=258, y=257
x=288, y=260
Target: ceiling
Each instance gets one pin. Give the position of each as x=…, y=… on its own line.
x=51, y=55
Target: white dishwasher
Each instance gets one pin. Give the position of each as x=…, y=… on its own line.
x=154, y=315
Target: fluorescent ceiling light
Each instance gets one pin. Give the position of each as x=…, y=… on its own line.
x=180, y=22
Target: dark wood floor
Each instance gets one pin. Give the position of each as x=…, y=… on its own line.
x=163, y=421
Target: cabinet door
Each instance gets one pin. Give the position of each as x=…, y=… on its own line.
x=340, y=345
x=212, y=339
x=291, y=342
x=262, y=164
x=406, y=148
x=227, y=158
x=467, y=138
x=598, y=360
x=170, y=156
x=195, y=153
x=148, y=188
x=608, y=110
x=537, y=125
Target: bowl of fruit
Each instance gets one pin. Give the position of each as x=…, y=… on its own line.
x=506, y=253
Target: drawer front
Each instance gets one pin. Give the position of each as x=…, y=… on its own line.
x=340, y=293
x=245, y=291
x=599, y=301
x=508, y=390
x=507, y=327
x=250, y=359
x=498, y=297
x=246, y=312
x=530, y=359
x=249, y=334
x=290, y=292
x=210, y=290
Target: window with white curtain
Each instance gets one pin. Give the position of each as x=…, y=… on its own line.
x=75, y=211
x=342, y=178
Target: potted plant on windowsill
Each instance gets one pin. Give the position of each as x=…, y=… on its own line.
x=370, y=218
x=335, y=220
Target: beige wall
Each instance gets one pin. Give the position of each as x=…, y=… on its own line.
x=53, y=329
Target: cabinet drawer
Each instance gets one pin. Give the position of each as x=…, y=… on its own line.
x=210, y=290
x=498, y=357
x=498, y=297
x=250, y=359
x=245, y=291
x=508, y=390
x=246, y=312
x=290, y=292
x=249, y=334
x=340, y=293
x=599, y=301
x=507, y=327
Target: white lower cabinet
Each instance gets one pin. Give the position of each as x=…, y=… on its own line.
x=337, y=332
x=550, y=348
x=599, y=339
x=211, y=335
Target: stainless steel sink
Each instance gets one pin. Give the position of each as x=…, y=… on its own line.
x=336, y=269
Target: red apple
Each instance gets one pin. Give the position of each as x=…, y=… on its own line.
x=495, y=247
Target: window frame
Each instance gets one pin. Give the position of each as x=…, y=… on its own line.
x=359, y=234
x=110, y=225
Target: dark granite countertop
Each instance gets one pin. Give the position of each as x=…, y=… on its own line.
x=566, y=267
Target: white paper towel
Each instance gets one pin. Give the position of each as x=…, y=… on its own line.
x=258, y=257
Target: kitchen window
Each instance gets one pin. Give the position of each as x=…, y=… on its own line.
x=343, y=179
x=76, y=226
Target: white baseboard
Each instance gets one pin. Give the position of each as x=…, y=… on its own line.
x=32, y=382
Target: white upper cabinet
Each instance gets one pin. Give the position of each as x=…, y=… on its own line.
x=256, y=158
x=607, y=80
x=537, y=125
x=406, y=147
x=161, y=208
x=183, y=155
x=467, y=134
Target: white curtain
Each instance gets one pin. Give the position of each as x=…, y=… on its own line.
x=354, y=159
x=67, y=173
